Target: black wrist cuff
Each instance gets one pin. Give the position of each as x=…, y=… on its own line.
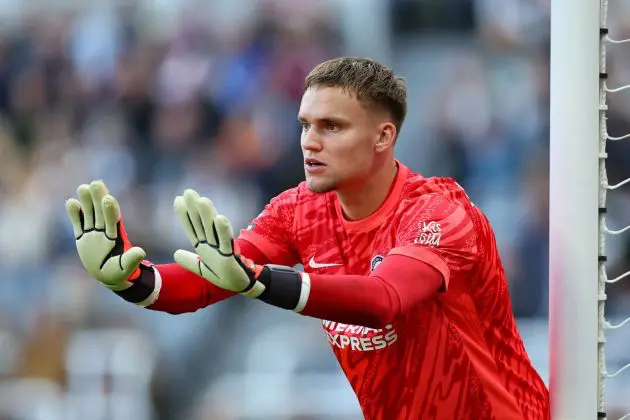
x=142, y=287
x=283, y=286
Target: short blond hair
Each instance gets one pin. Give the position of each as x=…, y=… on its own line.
x=370, y=82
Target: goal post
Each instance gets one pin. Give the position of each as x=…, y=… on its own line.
x=574, y=196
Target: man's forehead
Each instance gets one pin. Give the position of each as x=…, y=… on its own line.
x=325, y=101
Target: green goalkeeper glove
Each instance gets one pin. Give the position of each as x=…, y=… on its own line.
x=213, y=241
x=218, y=258
x=101, y=240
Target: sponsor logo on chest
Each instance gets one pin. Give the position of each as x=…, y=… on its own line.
x=357, y=338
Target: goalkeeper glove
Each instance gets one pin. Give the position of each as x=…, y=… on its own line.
x=100, y=236
x=218, y=259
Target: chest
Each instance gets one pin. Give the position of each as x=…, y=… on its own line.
x=331, y=248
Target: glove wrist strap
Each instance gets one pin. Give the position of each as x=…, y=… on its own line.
x=285, y=287
x=143, y=288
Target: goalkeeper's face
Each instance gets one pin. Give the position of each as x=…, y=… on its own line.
x=343, y=140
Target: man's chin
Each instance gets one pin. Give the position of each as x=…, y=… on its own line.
x=319, y=187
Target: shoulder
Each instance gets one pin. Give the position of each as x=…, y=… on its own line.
x=430, y=195
x=298, y=196
x=296, y=205
x=436, y=206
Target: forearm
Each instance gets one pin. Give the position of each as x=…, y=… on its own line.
x=175, y=290
x=399, y=284
x=354, y=300
x=182, y=291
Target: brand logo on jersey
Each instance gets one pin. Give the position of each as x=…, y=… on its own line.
x=313, y=264
x=251, y=226
x=376, y=261
x=429, y=234
x=356, y=338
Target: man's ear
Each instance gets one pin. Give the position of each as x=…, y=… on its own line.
x=387, y=137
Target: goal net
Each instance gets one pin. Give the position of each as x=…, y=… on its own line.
x=583, y=87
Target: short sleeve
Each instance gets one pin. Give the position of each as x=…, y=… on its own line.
x=439, y=232
x=272, y=231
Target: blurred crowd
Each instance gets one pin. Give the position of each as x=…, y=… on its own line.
x=159, y=98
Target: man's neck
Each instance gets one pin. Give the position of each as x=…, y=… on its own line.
x=360, y=202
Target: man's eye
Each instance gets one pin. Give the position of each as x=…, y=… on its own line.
x=333, y=127
x=305, y=126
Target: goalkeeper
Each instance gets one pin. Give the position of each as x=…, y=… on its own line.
x=403, y=270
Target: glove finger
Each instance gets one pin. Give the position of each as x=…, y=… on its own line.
x=224, y=234
x=111, y=215
x=191, y=198
x=207, y=213
x=98, y=190
x=182, y=213
x=188, y=260
x=73, y=208
x=87, y=206
x=131, y=259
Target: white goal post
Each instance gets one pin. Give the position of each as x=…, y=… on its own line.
x=574, y=203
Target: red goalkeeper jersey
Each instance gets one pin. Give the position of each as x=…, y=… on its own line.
x=458, y=356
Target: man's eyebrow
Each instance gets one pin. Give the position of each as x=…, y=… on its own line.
x=326, y=119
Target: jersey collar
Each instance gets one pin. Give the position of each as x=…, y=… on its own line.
x=378, y=217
